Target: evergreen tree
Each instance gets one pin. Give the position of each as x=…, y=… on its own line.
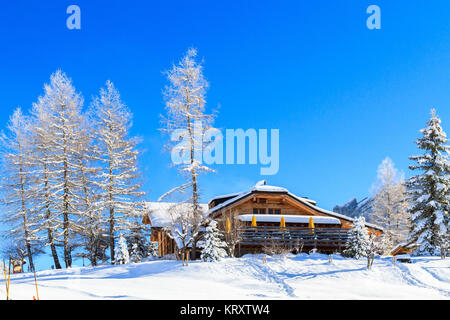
x=213, y=246
x=428, y=192
x=137, y=243
x=135, y=255
x=121, y=253
x=153, y=250
x=358, y=244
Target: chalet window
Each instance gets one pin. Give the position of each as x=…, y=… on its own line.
x=274, y=211
x=277, y=211
x=270, y=211
x=259, y=211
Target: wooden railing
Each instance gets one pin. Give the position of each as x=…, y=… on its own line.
x=294, y=236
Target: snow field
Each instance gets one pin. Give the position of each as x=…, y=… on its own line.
x=292, y=277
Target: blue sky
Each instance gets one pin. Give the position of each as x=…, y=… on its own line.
x=344, y=97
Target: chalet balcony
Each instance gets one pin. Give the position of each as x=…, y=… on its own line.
x=328, y=239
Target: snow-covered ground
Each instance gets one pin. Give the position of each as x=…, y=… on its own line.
x=293, y=277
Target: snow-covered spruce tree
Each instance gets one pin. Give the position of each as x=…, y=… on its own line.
x=212, y=244
x=15, y=182
x=152, y=250
x=389, y=205
x=185, y=105
x=119, y=178
x=63, y=106
x=359, y=241
x=135, y=255
x=121, y=254
x=137, y=242
x=429, y=192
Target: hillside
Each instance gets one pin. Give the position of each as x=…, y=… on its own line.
x=293, y=277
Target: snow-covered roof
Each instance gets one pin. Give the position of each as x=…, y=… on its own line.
x=268, y=188
x=288, y=218
x=262, y=187
x=159, y=212
x=259, y=187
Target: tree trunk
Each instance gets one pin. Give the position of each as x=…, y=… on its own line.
x=25, y=222
x=111, y=233
x=53, y=249
x=49, y=230
x=67, y=253
x=194, y=191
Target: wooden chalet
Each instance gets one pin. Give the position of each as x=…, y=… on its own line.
x=266, y=205
x=255, y=217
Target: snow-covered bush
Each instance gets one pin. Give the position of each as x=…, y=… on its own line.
x=359, y=241
x=213, y=246
x=135, y=255
x=121, y=254
x=153, y=249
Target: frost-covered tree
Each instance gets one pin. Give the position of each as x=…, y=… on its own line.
x=16, y=181
x=233, y=236
x=187, y=121
x=45, y=184
x=181, y=227
x=92, y=222
x=389, y=204
x=212, y=244
x=359, y=240
x=67, y=131
x=119, y=178
x=429, y=191
x=121, y=253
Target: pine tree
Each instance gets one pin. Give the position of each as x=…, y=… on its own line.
x=213, y=246
x=359, y=240
x=121, y=253
x=119, y=178
x=185, y=105
x=429, y=192
x=389, y=204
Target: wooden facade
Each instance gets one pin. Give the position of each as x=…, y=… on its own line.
x=166, y=245
x=324, y=237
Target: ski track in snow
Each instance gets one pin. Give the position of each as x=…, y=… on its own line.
x=422, y=277
x=291, y=277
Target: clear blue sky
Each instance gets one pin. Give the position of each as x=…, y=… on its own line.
x=344, y=97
